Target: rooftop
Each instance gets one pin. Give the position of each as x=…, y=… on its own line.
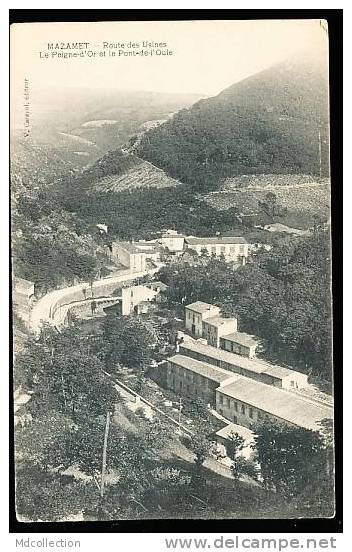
x=244, y=432
x=244, y=339
x=200, y=306
x=172, y=234
x=277, y=402
x=218, y=320
x=252, y=365
x=202, y=368
x=214, y=241
x=147, y=246
x=129, y=246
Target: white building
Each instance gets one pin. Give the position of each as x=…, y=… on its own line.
x=254, y=368
x=242, y=400
x=196, y=313
x=132, y=296
x=173, y=241
x=245, y=401
x=232, y=248
x=223, y=438
x=129, y=256
x=215, y=327
x=151, y=249
x=240, y=343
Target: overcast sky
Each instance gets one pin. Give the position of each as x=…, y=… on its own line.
x=207, y=56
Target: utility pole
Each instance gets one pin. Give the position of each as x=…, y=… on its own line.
x=105, y=447
x=179, y=413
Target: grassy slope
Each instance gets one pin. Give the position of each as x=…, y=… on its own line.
x=142, y=175
x=302, y=195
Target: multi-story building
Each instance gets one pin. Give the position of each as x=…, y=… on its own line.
x=151, y=249
x=247, y=402
x=129, y=256
x=232, y=248
x=196, y=313
x=216, y=327
x=242, y=400
x=193, y=378
x=173, y=241
x=239, y=343
x=262, y=371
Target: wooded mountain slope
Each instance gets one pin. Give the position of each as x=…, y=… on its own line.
x=267, y=123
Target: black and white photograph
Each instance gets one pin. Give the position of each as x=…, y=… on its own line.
x=171, y=262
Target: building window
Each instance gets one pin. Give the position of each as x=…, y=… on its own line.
x=243, y=409
x=228, y=403
x=221, y=399
x=235, y=419
x=236, y=406
x=222, y=249
x=292, y=383
x=259, y=416
x=251, y=413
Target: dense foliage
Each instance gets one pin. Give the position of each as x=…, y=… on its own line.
x=50, y=246
x=126, y=341
x=296, y=463
x=282, y=296
x=268, y=123
x=140, y=213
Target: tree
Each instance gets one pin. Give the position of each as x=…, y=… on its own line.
x=240, y=466
x=43, y=496
x=200, y=448
x=195, y=408
x=234, y=444
x=168, y=488
x=290, y=457
x=54, y=250
x=129, y=341
x=66, y=376
x=82, y=447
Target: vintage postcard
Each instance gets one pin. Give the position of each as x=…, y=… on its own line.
x=172, y=317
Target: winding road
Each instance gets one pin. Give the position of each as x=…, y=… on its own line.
x=53, y=306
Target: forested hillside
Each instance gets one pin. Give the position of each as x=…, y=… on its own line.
x=273, y=122
x=281, y=295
